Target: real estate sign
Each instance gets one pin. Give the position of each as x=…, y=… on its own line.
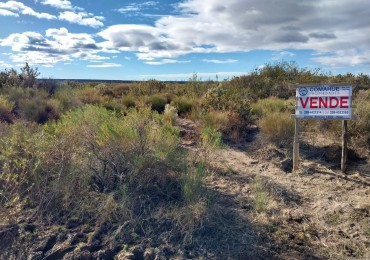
x=324, y=102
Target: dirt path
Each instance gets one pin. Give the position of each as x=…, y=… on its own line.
x=319, y=213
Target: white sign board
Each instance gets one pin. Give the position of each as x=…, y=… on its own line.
x=324, y=102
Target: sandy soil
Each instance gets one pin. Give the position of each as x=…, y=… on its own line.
x=316, y=213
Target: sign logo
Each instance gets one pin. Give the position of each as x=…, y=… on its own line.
x=303, y=91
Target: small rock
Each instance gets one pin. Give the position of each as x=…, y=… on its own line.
x=254, y=162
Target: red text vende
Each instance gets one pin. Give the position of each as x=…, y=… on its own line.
x=324, y=102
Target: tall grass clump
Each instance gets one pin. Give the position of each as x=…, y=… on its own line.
x=278, y=127
x=260, y=196
x=268, y=105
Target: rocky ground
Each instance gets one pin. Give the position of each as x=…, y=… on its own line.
x=264, y=211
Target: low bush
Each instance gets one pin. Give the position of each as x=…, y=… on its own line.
x=38, y=110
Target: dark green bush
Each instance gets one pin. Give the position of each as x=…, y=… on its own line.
x=182, y=104
x=37, y=110
x=157, y=103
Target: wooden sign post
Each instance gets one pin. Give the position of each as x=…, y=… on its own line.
x=296, y=146
x=343, y=161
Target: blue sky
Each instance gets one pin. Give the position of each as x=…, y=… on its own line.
x=171, y=40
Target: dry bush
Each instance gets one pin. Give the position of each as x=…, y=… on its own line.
x=278, y=127
x=236, y=127
x=89, y=95
x=170, y=114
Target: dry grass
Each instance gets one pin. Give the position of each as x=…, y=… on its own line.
x=278, y=127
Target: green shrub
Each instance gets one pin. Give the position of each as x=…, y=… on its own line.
x=278, y=127
x=182, y=104
x=217, y=120
x=15, y=94
x=67, y=99
x=193, y=183
x=6, y=109
x=211, y=138
x=269, y=105
x=157, y=103
x=128, y=101
x=227, y=98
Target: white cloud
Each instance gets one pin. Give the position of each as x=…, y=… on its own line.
x=4, y=12
x=137, y=7
x=105, y=65
x=283, y=54
x=20, y=8
x=82, y=18
x=57, y=45
x=60, y=4
x=324, y=26
x=166, y=61
x=350, y=57
x=220, y=61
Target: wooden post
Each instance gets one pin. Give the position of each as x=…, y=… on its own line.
x=296, y=146
x=344, y=146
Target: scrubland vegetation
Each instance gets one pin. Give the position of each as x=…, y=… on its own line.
x=109, y=157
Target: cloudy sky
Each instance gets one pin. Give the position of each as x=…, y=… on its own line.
x=171, y=40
